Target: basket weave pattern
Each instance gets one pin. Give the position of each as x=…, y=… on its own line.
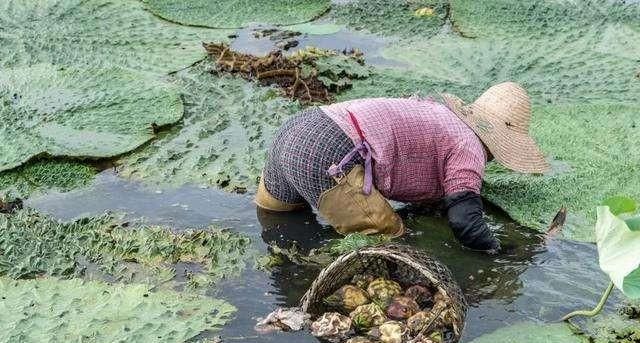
x=412, y=266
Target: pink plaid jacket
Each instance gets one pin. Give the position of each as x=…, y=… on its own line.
x=421, y=151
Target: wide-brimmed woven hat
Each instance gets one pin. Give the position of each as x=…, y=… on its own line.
x=500, y=117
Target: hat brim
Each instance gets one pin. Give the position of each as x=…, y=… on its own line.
x=515, y=150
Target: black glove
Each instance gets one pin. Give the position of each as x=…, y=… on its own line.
x=464, y=210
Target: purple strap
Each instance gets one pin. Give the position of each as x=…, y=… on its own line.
x=365, y=151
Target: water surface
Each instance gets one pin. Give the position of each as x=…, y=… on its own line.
x=530, y=280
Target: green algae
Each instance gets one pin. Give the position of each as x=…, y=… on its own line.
x=45, y=175
x=227, y=127
x=51, y=310
x=33, y=245
x=237, y=13
x=47, y=110
x=392, y=17
x=97, y=33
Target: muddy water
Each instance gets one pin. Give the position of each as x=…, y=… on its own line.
x=531, y=280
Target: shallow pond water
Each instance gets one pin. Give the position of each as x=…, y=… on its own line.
x=531, y=280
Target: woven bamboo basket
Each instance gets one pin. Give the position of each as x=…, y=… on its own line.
x=404, y=264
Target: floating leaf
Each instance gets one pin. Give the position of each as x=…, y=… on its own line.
x=33, y=244
x=619, y=252
x=620, y=204
x=532, y=333
x=633, y=223
x=79, y=112
x=97, y=33
x=223, y=140
x=237, y=13
x=50, y=310
x=45, y=175
x=393, y=17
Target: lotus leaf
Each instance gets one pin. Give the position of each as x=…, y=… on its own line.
x=620, y=204
x=45, y=175
x=79, y=112
x=619, y=252
x=97, y=33
x=32, y=244
x=540, y=18
x=532, y=333
x=237, y=13
x=223, y=139
x=392, y=17
x=50, y=310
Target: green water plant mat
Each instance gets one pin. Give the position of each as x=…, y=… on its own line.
x=32, y=245
x=76, y=112
x=223, y=138
x=237, y=13
x=51, y=310
x=97, y=33
x=45, y=175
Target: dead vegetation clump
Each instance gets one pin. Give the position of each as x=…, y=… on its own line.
x=311, y=75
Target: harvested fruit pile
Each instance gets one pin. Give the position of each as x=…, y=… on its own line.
x=375, y=309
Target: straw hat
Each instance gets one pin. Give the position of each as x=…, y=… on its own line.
x=500, y=117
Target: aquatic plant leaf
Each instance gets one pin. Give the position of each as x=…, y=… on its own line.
x=237, y=13
x=607, y=328
x=553, y=69
x=354, y=241
x=633, y=223
x=97, y=33
x=620, y=204
x=51, y=310
x=45, y=175
x=392, y=17
x=538, y=18
x=223, y=139
x=532, y=333
x=79, y=112
x=619, y=252
x=32, y=244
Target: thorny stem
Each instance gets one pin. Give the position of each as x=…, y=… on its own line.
x=595, y=310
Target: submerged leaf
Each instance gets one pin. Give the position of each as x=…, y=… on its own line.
x=237, y=13
x=50, y=310
x=56, y=111
x=619, y=252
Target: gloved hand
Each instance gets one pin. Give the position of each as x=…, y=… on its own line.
x=464, y=211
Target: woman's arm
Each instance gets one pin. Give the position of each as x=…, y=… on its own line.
x=465, y=214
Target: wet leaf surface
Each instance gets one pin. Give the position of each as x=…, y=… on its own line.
x=51, y=310
x=97, y=33
x=237, y=13
x=75, y=112
x=33, y=245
